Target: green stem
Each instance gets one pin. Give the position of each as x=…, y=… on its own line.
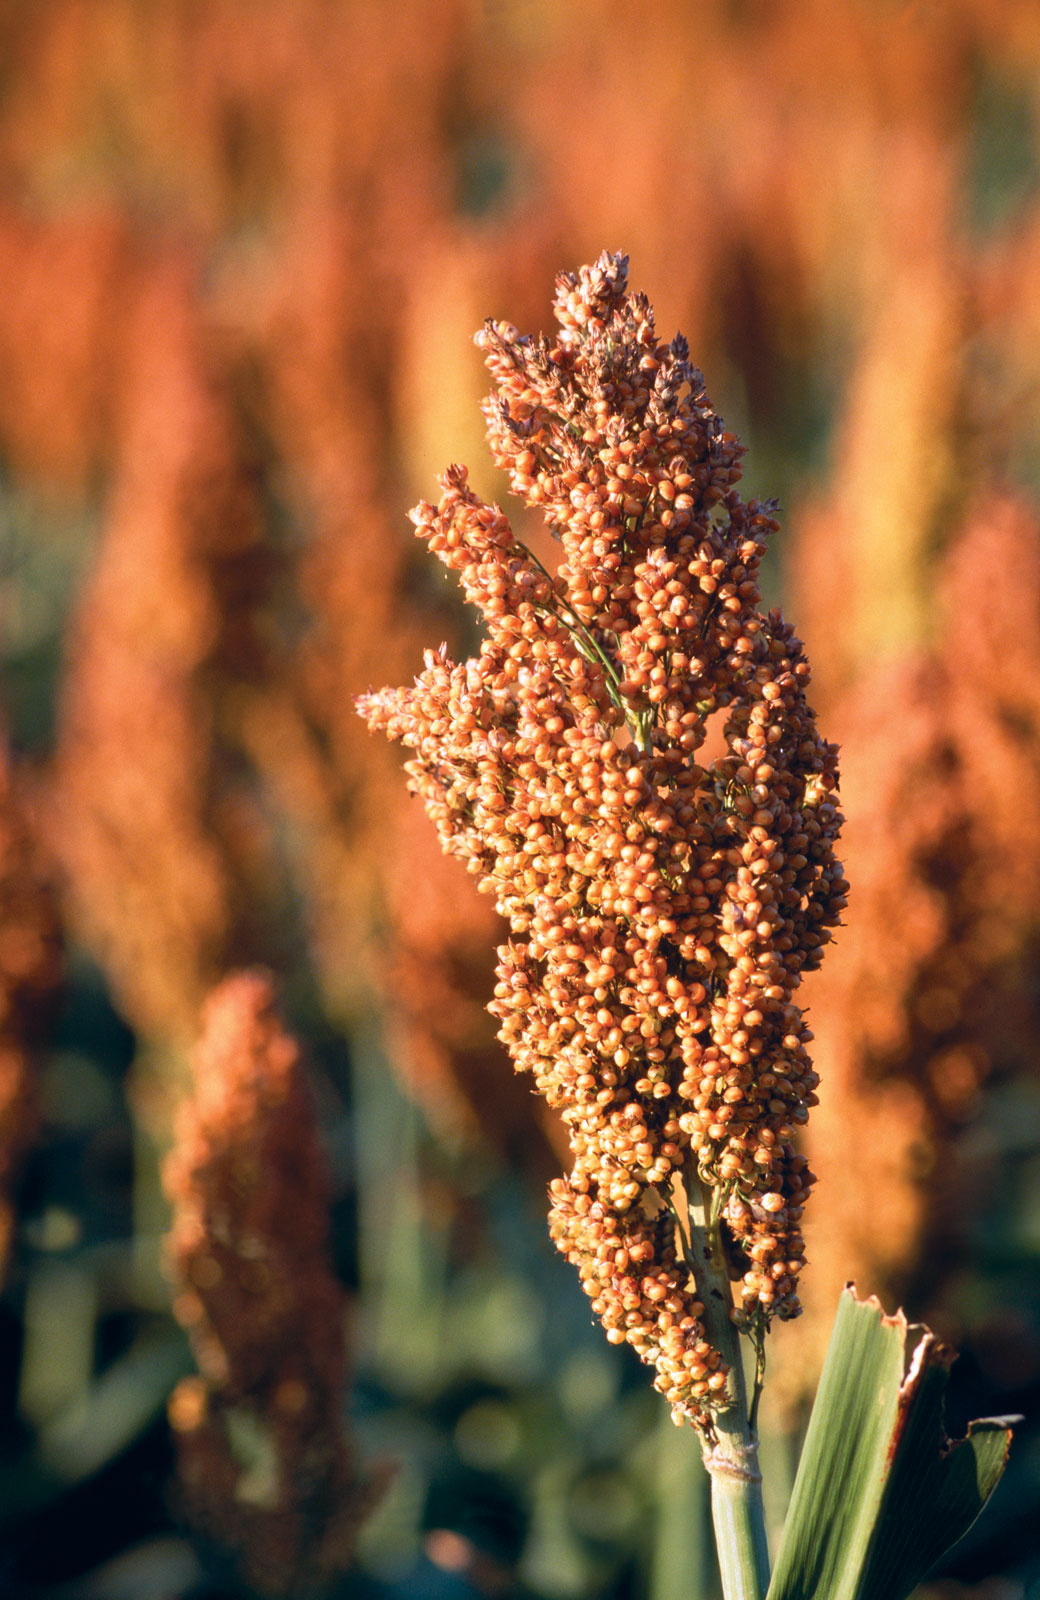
x=731, y=1449
x=590, y=648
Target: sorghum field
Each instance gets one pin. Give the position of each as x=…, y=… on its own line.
x=280, y=1311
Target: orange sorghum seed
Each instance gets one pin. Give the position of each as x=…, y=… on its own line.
x=560, y=760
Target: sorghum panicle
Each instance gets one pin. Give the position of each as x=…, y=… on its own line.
x=255, y=1290
x=165, y=640
x=943, y=843
x=662, y=909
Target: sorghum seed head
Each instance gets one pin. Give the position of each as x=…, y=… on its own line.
x=662, y=912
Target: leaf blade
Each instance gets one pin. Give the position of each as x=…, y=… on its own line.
x=841, y=1473
x=880, y=1492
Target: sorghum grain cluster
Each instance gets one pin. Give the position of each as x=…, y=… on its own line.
x=662, y=909
x=256, y=1293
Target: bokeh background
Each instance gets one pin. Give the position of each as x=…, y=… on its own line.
x=244, y=245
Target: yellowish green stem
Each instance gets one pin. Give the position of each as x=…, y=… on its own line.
x=731, y=1449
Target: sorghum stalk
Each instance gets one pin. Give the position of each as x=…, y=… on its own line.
x=730, y=1449
x=662, y=909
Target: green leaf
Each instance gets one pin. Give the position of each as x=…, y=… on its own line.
x=881, y=1492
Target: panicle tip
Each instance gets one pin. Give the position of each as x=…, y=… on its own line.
x=593, y=293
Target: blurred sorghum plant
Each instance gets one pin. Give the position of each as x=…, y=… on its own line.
x=168, y=633
x=30, y=975
x=943, y=843
x=662, y=908
x=265, y=1469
